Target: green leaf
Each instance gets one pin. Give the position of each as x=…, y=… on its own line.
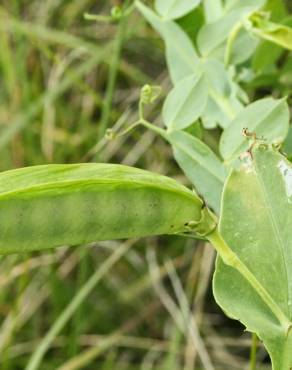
x=203, y=168
x=266, y=56
x=237, y=4
x=243, y=48
x=218, y=78
x=273, y=32
x=212, y=35
x=267, y=118
x=256, y=223
x=277, y=9
x=181, y=55
x=213, y=10
x=223, y=104
x=186, y=102
x=173, y=9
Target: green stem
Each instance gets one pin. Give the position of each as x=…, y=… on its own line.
x=231, y=259
x=286, y=353
x=230, y=42
x=113, y=72
x=253, y=351
x=150, y=126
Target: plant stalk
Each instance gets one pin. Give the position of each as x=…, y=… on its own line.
x=230, y=42
x=113, y=72
x=253, y=352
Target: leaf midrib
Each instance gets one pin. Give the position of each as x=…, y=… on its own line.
x=198, y=161
x=185, y=102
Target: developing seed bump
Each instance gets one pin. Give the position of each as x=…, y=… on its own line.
x=49, y=206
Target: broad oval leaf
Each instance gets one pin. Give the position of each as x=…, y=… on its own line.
x=203, y=168
x=256, y=223
x=212, y=35
x=223, y=103
x=267, y=118
x=181, y=55
x=243, y=48
x=172, y=9
x=48, y=206
x=213, y=10
x=186, y=102
x=237, y=4
x=218, y=78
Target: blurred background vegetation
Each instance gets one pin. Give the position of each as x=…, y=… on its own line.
x=139, y=304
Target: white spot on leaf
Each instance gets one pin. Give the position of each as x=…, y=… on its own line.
x=247, y=164
x=286, y=172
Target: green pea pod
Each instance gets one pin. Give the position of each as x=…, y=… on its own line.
x=52, y=205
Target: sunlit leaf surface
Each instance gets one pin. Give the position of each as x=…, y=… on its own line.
x=256, y=222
